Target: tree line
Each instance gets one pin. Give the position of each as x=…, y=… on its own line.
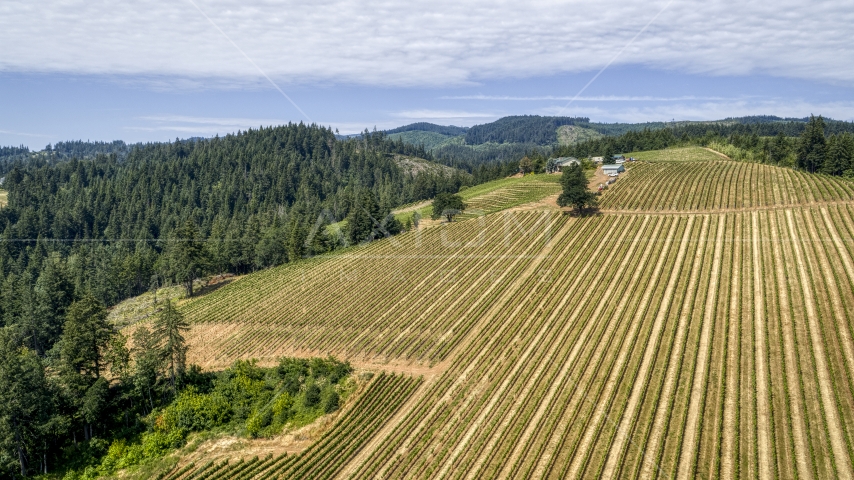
x=90, y=383
x=114, y=227
x=816, y=146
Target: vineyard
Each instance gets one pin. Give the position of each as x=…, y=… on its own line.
x=720, y=185
x=525, y=190
x=325, y=458
x=716, y=341
x=498, y=195
x=370, y=301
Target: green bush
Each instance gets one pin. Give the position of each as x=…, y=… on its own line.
x=331, y=403
x=245, y=398
x=312, y=395
x=193, y=411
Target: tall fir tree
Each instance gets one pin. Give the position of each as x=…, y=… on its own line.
x=169, y=328
x=812, y=145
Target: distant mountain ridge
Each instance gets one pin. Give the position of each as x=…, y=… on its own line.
x=543, y=130
x=430, y=127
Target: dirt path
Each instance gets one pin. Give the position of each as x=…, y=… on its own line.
x=412, y=208
x=656, y=440
x=599, y=178
x=547, y=203
x=412, y=368
x=763, y=399
x=626, y=426
x=690, y=438
x=824, y=380
x=717, y=153
x=799, y=430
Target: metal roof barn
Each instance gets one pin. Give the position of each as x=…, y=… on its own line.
x=615, y=168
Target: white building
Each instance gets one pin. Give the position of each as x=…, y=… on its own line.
x=566, y=162
x=615, y=168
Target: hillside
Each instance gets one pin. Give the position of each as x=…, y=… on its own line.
x=413, y=165
x=572, y=134
x=510, y=138
x=430, y=140
x=715, y=340
x=494, y=196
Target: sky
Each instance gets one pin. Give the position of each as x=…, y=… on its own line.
x=153, y=70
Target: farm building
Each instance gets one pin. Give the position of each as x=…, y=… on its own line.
x=596, y=159
x=618, y=157
x=565, y=162
x=615, y=168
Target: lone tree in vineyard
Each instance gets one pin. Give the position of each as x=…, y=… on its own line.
x=575, y=190
x=447, y=205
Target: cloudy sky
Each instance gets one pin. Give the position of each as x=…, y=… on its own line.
x=155, y=70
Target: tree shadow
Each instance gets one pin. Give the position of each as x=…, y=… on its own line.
x=215, y=283
x=585, y=212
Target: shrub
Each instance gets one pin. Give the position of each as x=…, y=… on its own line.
x=193, y=411
x=312, y=395
x=331, y=403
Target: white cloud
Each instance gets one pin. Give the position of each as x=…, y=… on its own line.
x=841, y=110
x=432, y=114
x=602, y=98
x=250, y=122
x=22, y=134
x=203, y=126
x=440, y=42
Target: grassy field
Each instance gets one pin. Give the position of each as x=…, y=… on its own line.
x=716, y=341
x=4, y=198
x=496, y=195
x=684, y=154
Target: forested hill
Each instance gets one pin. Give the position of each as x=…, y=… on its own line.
x=508, y=139
x=429, y=127
x=521, y=129
x=113, y=226
x=10, y=157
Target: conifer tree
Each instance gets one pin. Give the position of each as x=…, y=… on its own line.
x=575, y=191
x=812, y=146
x=168, y=332
x=24, y=400
x=188, y=260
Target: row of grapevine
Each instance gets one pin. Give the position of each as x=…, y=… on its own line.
x=326, y=457
x=510, y=196
x=674, y=346
x=720, y=185
x=411, y=298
